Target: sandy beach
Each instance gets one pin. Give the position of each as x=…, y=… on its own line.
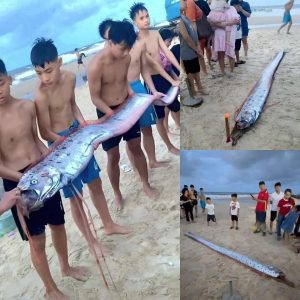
x=143, y=265
x=204, y=127
x=205, y=274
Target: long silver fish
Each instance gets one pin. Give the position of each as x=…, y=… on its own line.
x=71, y=154
x=255, y=101
x=245, y=260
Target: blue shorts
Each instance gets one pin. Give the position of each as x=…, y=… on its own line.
x=287, y=18
x=88, y=175
x=149, y=116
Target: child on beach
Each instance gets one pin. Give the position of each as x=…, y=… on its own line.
x=193, y=196
x=274, y=199
x=202, y=200
x=109, y=88
x=154, y=43
x=19, y=148
x=287, y=18
x=79, y=58
x=261, y=208
x=234, y=210
x=58, y=114
x=210, y=211
x=187, y=204
x=284, y=205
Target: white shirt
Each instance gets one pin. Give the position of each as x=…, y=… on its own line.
x=276, y=198
x=234, y=208
x=210, y=209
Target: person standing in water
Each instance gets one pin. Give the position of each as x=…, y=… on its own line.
x=287, y=18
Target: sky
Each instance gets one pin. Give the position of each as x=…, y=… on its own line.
x=70, y=23
x=240, y=171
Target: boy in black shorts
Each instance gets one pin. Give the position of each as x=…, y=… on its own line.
x=20, y=147
x=210, y=211
x=234, y=211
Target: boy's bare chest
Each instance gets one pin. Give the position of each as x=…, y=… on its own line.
x=114, y=74
x=60, y=99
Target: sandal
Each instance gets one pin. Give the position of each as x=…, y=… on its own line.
x=241, y=62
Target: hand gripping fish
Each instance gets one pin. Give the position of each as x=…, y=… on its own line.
x=70, y=155
x=253, y=105
x=245, y=260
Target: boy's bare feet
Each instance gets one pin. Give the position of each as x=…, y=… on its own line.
x=56, y=295
x=78, y=273
x=116, y=229
x=159, y=164
x=151, y=192
x=174, y=150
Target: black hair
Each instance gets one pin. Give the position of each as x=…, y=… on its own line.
x=201, y=189
x=234, y=2
x=288, y=191
x=122, y=32
x=234, y=195
x=191, y=185
x=166, y=34
x=103, y=26
x=135, y=9
x=261, y=183
x=2, y=68
x=76, y=49
x=277, y=184
x=297, y=207
x=184, y=190
x=185, y=186
x=43, y=51
x=207, y=198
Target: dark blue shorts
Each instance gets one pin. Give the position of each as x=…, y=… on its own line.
x=88, y=175
x=162, y=85
x=51, y=213
x=132, y=133
x=261, y=216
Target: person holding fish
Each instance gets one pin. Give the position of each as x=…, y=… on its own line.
x=20, y=147
x=58, y=115
x=9, y=200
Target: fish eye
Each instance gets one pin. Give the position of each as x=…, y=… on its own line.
x=33, y=181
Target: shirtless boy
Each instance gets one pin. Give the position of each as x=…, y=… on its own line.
x=109, y=88
x=20, y=147
x=140, y=62
x=154, y=42
x=58, y=114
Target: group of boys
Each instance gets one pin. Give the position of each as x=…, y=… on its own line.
x=113, y=76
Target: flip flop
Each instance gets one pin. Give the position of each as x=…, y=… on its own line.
x=241, y=62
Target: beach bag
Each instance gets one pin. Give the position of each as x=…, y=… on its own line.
x=204, y=29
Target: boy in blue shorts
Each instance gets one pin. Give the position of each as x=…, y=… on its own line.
x=287, y=17
x=58, y=115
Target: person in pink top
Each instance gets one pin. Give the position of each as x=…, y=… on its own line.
x=223, y=17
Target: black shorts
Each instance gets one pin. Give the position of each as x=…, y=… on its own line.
x=51, y=213
x=162, y=85
x=261, y=216
x=234, y=218
x=273, y=215
x=191, y=66
x=79, y=62
x=211, y=218
x=238, y=44
x=132, y=133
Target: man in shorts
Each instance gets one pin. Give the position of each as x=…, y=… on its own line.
x=274, y=199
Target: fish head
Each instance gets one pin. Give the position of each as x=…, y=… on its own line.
x=245, y=119
x=37, y=185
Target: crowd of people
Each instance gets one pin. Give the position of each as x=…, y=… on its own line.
x=114, y=74
x=283, y=209
x=216, y=29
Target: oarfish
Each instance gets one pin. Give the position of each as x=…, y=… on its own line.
x=245, y=260
x=254, y=103
x=71, y=154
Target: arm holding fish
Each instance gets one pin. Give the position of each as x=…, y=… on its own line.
x=43, y=117
x=94, y=76
x=76, y=111
x=9, y=199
